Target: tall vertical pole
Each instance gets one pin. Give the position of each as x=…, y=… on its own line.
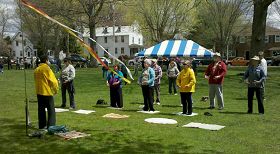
x=68, y=52
x=27, y=119
x=113, y=18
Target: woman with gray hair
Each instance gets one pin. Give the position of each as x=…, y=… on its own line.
x=146, y=81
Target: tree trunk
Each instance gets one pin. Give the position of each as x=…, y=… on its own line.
x=259, y=26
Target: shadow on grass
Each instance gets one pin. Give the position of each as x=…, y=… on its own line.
x=107, y=140
x=136, y=103
x=200, y=108
x=101, y=106
x=228, y=112
x=131, y=110
x=169, y=114
x=172, y=106
x=241, y=98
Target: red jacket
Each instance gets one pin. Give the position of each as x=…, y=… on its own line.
x=219, y=71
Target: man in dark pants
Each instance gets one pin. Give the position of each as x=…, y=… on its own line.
x=46, y=86
x=254, y=77
x=67, y=77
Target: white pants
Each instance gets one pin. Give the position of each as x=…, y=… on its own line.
x=216, y=90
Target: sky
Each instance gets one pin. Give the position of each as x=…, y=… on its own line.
x=273, y=18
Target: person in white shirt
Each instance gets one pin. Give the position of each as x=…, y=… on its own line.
x=67, y=78
x=263, y=65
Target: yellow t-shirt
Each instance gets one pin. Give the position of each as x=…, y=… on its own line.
x=186, y=78
x=46, y=83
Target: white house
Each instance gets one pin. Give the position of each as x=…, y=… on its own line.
x=128, y=40
x=27, y=51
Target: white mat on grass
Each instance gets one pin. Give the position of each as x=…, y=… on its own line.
x=116, y=108
x=59, y=110
x=72, y=135
x=84, y=111
x=181, y=114
x=204, y=126
x=149, y=112
x=115, y=116
x=161, y=121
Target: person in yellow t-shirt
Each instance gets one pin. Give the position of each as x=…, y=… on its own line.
x=46, y=86
x=186, y=83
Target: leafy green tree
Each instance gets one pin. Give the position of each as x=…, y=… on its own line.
x=219, y=20
x=162, y=19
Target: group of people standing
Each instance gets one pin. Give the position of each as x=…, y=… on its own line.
x=46, y=85
x=149, y=81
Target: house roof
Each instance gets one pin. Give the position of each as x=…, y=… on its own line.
x=17, y=33
x=119, y=30
x=247, y=31
x=274, y=49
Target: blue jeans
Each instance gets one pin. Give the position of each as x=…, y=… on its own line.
x=172, y=83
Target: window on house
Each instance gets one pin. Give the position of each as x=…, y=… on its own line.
x=119, y=29
x=20, y=53
x=277, y=38
x=105, y=30
x=242, y=39
x=266, y=39
x=247, y=38
x=122, y=38
x=105, y=39
x=116, y=39
x=122, y=50
x=35, y=53
x=28, y=54
x=116, y=50
x=105, y=53
x=16, y=43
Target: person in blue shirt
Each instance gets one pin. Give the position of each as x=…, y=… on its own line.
x=146, y=81
x=254, y=77
x=114, y=82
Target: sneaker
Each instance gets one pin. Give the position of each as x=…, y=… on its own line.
x=189, y=113
x=72, y=108
x=211, y=107
x=175, y=94
x=220, y=108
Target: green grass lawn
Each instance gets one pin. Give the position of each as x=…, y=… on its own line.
x=243, y=133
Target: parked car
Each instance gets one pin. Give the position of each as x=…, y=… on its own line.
x=132, y=62
x=275, y=60
x=104, y=58
x=268, y=61
x=238, y=61
x=78, y=60
x=203, y=61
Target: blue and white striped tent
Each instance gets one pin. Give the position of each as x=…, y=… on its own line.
x=177, y=48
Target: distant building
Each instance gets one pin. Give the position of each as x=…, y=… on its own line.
x=128, y=40
x=16, y=49
x=243, y=42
